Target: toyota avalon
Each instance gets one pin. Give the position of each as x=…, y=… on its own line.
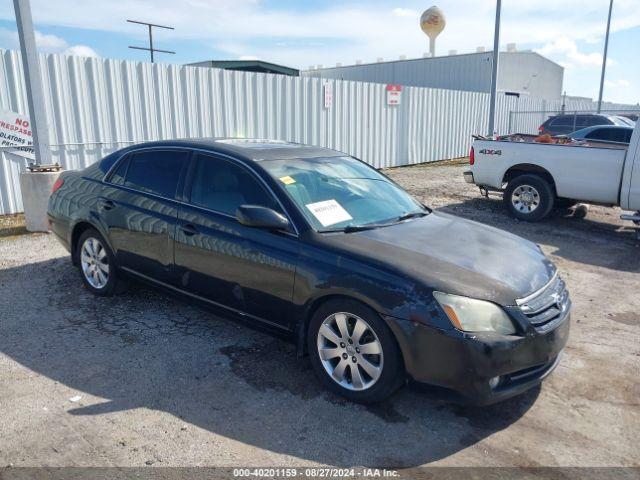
x=314, y=244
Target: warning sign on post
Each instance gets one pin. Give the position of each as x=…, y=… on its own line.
x=15, y=131
x=394, y=94
x=328, y=94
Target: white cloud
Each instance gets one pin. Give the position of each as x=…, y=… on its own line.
x=566, y=51
x=621, y=83
x=247, y=57
x=361, y=30
x=50, y=43
x=47, y=43
x=405, y=12
x=81, y=51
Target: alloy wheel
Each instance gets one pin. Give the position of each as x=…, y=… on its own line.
x=95, y=263
x=525, y=198
x=350, y=351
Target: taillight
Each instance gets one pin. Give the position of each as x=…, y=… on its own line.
x=541, y=128
x=56, y=186
x=472, y=156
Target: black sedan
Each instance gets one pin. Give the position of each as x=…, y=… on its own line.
x=317, y=245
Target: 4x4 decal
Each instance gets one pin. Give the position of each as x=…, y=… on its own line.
x=488, y=151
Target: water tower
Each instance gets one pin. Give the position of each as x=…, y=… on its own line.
x=432, y=22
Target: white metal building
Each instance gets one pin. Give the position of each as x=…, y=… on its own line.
x=524, y=72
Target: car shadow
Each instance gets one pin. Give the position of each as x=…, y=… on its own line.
x=144, y=349
x=609, y=245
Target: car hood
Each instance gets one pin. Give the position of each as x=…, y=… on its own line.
x=454, y=255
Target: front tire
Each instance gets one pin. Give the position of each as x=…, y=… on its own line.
x=529, y=197
x=96, y=263
x=353, y=352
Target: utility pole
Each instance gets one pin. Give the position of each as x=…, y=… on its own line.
x=494, y=70
x=33, y=83
x=151, y=50
x=604, y=57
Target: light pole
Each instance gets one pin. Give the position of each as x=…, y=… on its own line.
x=494, y=70
x=604, y=57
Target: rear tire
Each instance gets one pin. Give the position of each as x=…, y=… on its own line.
x=353, y=352
x=96, y=263
x=529, y=197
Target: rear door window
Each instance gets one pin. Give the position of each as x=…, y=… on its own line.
x=616, y=134
x=583, y=121
x=562, y=121
x=608, y=134
x=156, y=171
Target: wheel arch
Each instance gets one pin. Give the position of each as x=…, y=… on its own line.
x=528, y=168
x=314, y=304
x=78, y=229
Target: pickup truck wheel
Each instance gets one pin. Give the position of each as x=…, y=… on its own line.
x=529, y=197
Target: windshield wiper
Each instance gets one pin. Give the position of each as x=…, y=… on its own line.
x=357, y=228
x=407, y=216
x=371, y=226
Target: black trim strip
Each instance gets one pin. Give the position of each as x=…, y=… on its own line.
x=203, y=299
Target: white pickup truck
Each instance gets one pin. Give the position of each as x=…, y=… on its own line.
x=536, y=176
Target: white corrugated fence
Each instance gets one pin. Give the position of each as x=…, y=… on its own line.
x=95, y=106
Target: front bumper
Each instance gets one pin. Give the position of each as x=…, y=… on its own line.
x=468, y=177
x=465, y=362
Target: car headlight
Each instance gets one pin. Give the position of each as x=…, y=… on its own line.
x=471, y=315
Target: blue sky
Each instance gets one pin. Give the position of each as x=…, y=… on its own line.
x=303, y=33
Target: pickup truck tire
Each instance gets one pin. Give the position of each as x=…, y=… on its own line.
x=529, y=197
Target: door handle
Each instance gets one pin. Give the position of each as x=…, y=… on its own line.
x=189, y=230
x=107, y=204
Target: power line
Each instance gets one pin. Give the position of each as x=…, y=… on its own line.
x=150, y=49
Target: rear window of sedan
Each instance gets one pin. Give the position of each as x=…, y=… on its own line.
x=154, y=171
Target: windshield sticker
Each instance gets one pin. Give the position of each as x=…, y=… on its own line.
x=287, y=180
x=329, y=212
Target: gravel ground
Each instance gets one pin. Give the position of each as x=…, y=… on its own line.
x=144, y=379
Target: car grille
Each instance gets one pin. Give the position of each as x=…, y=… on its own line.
x=547, y=307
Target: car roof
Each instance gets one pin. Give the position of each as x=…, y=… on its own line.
x=248, y=148
x=562, y=115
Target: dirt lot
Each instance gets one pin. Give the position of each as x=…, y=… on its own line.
x=144, y=379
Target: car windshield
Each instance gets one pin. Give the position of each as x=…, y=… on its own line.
x=626, y=121
x=342, y=193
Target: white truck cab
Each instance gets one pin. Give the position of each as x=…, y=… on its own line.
x=534, y=177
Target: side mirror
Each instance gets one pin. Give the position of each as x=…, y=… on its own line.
x=261, y=217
